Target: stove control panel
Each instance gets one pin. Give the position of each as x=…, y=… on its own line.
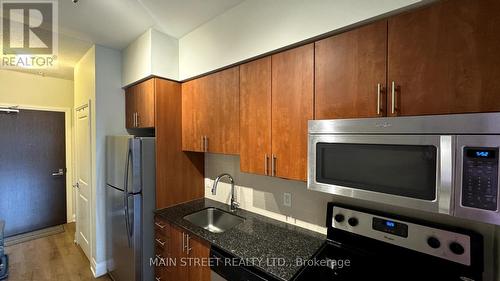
x=432, y=241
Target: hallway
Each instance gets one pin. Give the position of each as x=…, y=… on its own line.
x=50, y=258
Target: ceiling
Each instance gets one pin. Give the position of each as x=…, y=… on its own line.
x=116, y=23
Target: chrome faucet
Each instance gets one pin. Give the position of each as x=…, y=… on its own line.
x=234, y=205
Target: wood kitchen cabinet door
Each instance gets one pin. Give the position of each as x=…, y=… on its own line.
x=255, y=116
x=140, y=105
x=194, y=114
x=176, y=270
x=292, y=107
x=210, y=109
x=444, y=58
x=222, y=102
x=199, y=251
x=190, y=255
x=178, y=168
x=130, y=107
x=350, y=73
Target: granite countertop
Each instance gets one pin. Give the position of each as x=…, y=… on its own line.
x=258, y=238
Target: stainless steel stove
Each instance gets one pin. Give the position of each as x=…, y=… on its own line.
x=366, y=245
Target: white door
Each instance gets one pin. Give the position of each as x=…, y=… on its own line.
x=83, y=178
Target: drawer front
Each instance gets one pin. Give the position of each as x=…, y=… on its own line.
x=160, y=273
x=161, y=244
x=161, y=227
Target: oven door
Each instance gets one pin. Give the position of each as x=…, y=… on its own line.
x=413, y=171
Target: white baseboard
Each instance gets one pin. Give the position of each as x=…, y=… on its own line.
x=98, y=269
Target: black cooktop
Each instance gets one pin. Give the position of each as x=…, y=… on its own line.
x=350, y=256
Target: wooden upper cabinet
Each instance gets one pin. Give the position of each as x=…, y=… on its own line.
x=223, y=104
x=350, y=73
x=140, y=105
x=179, y=169
x=130, y=108
x=194, y=117
x=255, y=116
x=210, y=113
x=292, y=107
x=444, y=58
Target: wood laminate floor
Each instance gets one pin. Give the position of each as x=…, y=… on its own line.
x=50, y=258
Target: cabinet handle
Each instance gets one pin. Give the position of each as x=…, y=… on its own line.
x=206, y=144
x=137, y=118
x=162, y=243
x=183, y=242
x=273, y=165
x=188, y=249
x=158, y=278
x=379, y=99
x=161, y=226
x=393, y=98
x=266, y=168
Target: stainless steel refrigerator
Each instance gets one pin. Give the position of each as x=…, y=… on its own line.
x=130, y=202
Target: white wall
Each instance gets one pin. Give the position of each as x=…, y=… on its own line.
x=164, y=55
x=264, y=195
x=98, y=79
x=137, y=59
x=84, y=77
x=255, y=27
x=36, y=92
x=110, y=120
x=152, y=53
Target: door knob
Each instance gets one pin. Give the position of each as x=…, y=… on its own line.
x=59, y=173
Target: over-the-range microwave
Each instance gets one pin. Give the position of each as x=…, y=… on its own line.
x=442, y=163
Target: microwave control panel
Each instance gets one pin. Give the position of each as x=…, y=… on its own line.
x=480, y=178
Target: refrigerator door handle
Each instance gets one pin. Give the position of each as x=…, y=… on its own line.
x=131, y=224
x=125, y=198
x=136, y=170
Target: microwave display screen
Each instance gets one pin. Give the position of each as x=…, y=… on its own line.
x=403, y=170
x=481, y=153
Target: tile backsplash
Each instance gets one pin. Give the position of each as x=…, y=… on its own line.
x=264, y=195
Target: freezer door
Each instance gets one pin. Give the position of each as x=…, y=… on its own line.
x=123, y=155
x=117, y=154
x=124, y=235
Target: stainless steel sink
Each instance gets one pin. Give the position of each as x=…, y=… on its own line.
x=214, y=220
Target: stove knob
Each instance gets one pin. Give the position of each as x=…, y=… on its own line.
x=456, y=248
x=353, y=221
x=433, y=242
x=339, y=218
